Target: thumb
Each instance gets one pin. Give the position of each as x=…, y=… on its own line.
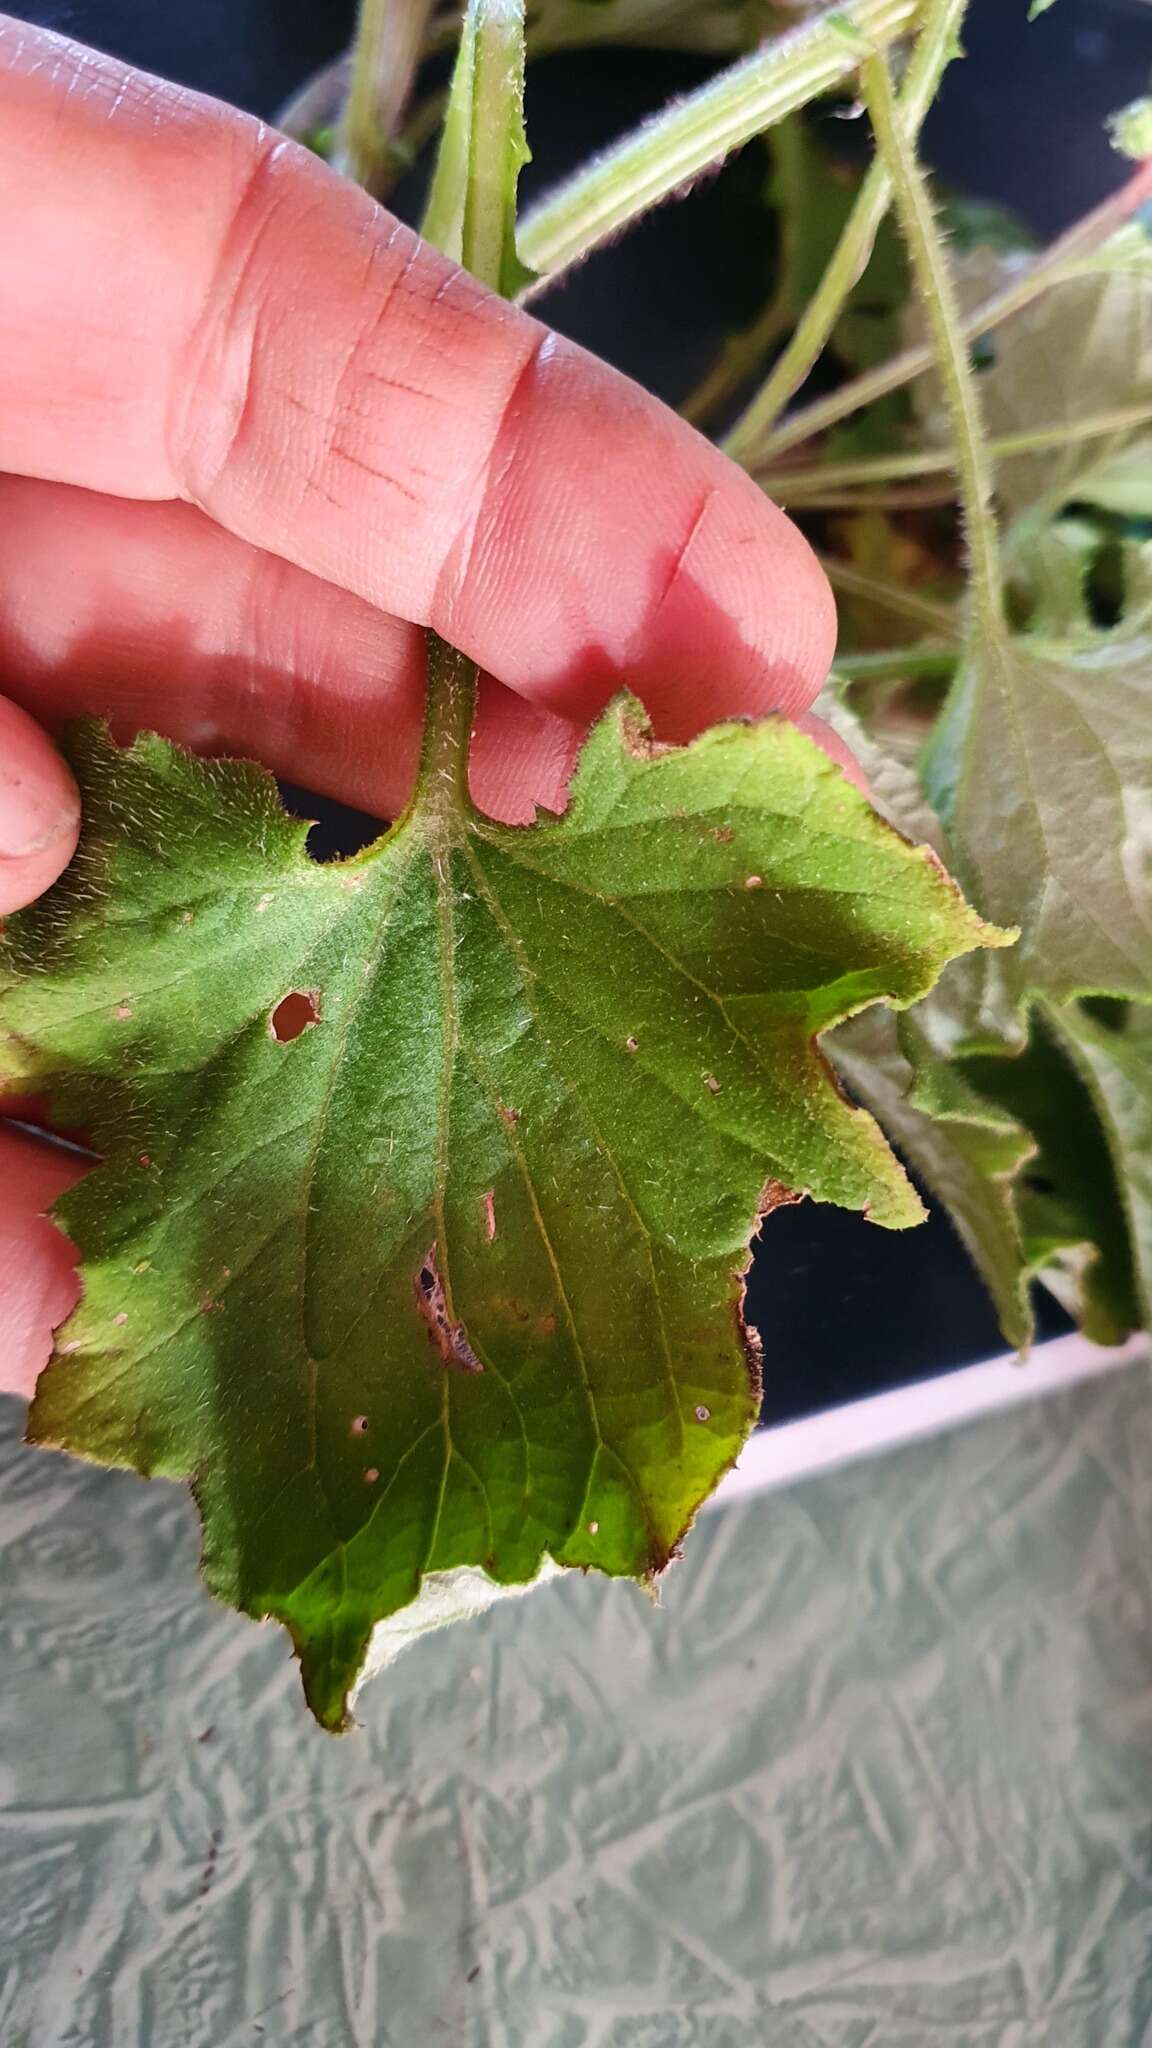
x=39, y=810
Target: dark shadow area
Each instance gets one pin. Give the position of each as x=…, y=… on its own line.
x=845, y=1309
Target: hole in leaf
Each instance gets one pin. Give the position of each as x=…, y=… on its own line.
x=294, y=1014
x=448, y=1337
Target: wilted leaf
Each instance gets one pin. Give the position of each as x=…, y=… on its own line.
x=431, y=1176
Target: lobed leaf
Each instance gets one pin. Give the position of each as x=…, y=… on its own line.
x=430, y=1177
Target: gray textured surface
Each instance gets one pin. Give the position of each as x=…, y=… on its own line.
x=879, y=1775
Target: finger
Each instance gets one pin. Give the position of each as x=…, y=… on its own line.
x=152, y=616
x=39, y=810
x=197, y=309
x=38, y=1284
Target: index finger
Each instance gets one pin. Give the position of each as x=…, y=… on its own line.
x=197, y=308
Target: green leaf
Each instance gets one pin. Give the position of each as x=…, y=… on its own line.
x=1085, y=348
x=1070, y=1199
x=430, y=1177
x=967, y=1153
x=1116, y=1063
x=1041, y=768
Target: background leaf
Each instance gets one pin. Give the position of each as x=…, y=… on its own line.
x=1041, y=768
x=965, y=1151
x=1116, y=1061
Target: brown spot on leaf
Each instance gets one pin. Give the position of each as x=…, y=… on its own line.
x=723, y=834
x=143, y=1159
x=753, y=881
x=490, y=1214
x=123, y=1011
x=371, y=1475
x=774, y=1195
x=636, y=734
x=359, y=1425
x=712, y=1084
x=510, y=1116
x=449, y=1337
x=546, y=1326
x=633, y=1044
x=703, y=1414
x=294, y=1014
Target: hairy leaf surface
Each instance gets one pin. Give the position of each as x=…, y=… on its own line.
x=1041, y=768
x=430, y=1177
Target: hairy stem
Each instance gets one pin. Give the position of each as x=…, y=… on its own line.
x=450, y=712
x=668, y=153
x=472, y=215
x=935, y=47
x=935, y=618
x=796, y=486
x=1047, y=270
x=938, y=296
x=389, y=41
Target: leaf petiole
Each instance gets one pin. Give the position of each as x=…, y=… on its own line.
x=1049, y=269
x=670, y=151
x=938, y=294
x=934, y=49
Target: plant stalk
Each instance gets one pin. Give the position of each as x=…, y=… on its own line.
x=1048, y=269
x=669, y=152
x=472, y=215
x=934, y=49
x=904, y=604
x=938, y=295
x=794, y=486
x=390, y=37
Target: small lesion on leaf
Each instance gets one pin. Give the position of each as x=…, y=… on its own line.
x=775, y=1195
x=637, y=735
x=449, y=1337
x=294, y=1014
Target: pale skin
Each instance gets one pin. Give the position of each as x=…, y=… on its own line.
x=254, y=436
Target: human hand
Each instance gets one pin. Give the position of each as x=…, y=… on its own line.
x=254, y=436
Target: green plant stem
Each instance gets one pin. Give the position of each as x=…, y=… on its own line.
x=938, y=296
x=935, y=618
x=450, y=713
x=668, y=153
x=389, y=41
x=497, y=124
x=794, y=486
x=897, y=661
x=1047, y=270
x=934, y=48
x=472, y=213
